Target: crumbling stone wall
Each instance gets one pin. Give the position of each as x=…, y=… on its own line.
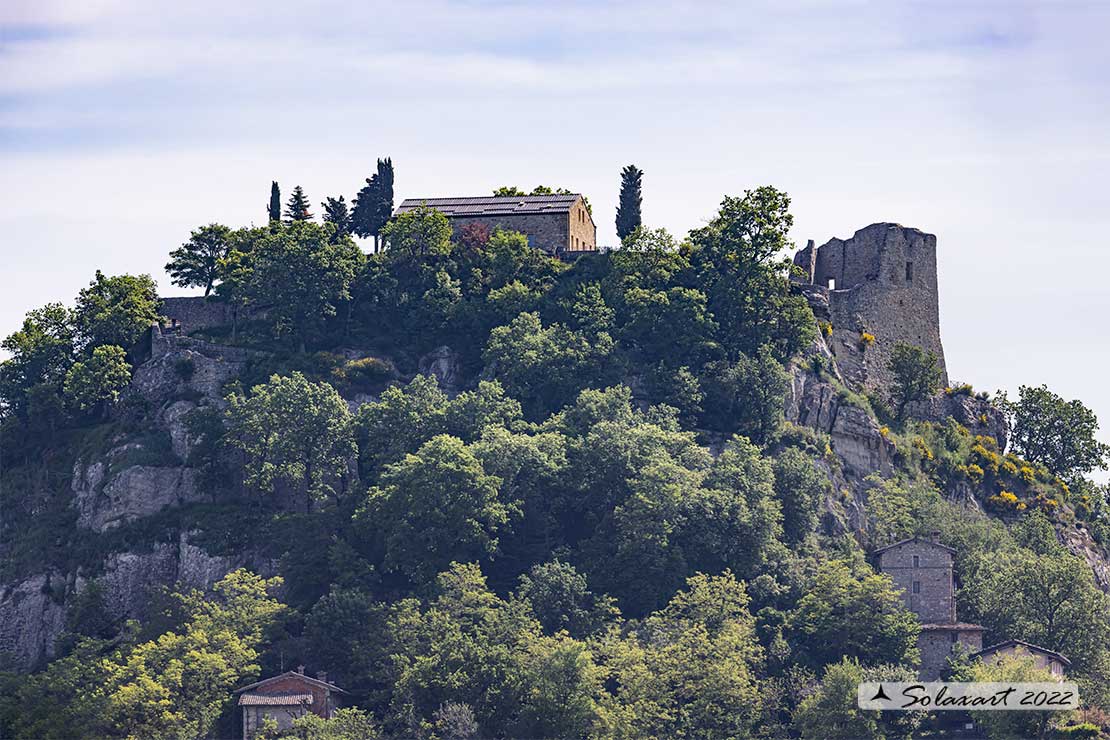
x=883, y=282
x=937, y=642
x=190, y=313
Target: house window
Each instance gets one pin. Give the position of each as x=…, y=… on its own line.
x=917, y=587
x=955, y=638
x=832, y=283
x=909, y=272
x=917, y=561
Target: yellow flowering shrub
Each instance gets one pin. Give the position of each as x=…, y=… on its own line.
x=866, y=339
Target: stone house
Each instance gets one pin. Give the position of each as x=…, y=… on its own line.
x=922, y=569
x=1046, y=659
x=284, y=698
x=558, y=224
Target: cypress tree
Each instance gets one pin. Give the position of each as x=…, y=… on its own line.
x=275, y=202
x=373, y=206
x=628, y=212
x=335, y=212
x=297, y=208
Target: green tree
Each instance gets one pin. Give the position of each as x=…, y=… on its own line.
x=437, y=506
x=1059, y=434
x=274, y=207
x=831, y=713
x=293, y=430
x=344, y=724
x=196, y=262
x=1049, y=600
x=336, y=214
x=800, y=488
x=97, y=382
x=419, y=232
x=561, y=600
x=628, y=208
x=373, y=206
x=1006, y=725
x=463, y=647
x=40, y=353
x=916, y=375
x=300, y=278
x=859, y=615
x=738, y=260
x=508, y=191
x=746, y=396
x=116, y=310
x=399, y=422
x=546, y=365
x=689, y=671
x=298, y=208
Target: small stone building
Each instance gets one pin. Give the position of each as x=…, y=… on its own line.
x=923, y=570
x=558, y=224
x=1049, y=660
x=284, y=698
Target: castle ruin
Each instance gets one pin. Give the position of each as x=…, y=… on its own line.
x=880, y=284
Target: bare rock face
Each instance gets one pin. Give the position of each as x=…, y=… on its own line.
x=30, y=622
x=855, y=435
x=445, y=364
x=133, y=492
x=130, y=578
x=978, y=415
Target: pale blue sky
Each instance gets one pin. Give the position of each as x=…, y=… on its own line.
x=124, y=124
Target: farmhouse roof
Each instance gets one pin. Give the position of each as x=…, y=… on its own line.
x=1027, y=645
x=493, y=205
x=292, y=674
x=923, y=540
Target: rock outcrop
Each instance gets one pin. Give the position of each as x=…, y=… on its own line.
x=31, y=618
x=135, y=491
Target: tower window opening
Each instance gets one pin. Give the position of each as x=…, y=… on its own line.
x=832, y=283
x=917, y=587
x=917, y=561
x=909, y=272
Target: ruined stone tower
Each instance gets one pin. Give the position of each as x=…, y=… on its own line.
x=882, y=282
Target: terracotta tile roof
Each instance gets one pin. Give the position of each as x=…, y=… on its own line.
x=493, y=205
x=274, y=700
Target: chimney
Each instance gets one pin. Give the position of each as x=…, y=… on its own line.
x=322, y=676
x=935, y=536
x=300, y=669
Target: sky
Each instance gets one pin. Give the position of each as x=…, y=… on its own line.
x=124, y=124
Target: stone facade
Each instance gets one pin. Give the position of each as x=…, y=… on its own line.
x=1045, y=659
x=922, y=569
x=556, y=224
x=882, y=281
x=191, y=313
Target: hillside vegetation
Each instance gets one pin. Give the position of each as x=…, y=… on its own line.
x=494, y=494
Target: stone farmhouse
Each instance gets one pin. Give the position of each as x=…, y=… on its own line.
x=922, y=569
x=1043, y=658
x=560, y=225
x=882, y=282
x=284, y=698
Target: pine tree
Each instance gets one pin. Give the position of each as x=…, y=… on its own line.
x=336, y=213
x=275, y=202
x=373, y=206
x=297, y=207
x=628, y=212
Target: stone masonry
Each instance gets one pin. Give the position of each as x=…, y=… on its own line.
x=922, y=570
x=883, y=282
